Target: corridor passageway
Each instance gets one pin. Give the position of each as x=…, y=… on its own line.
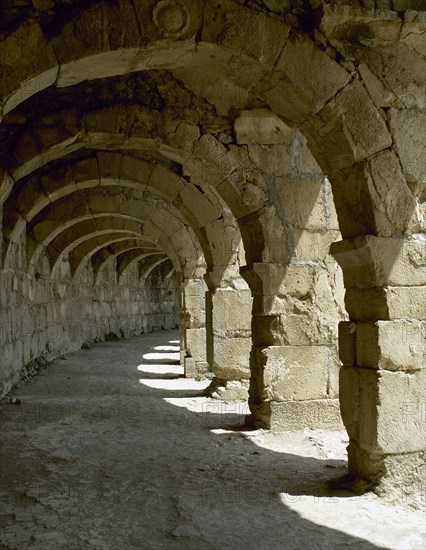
x=252, y=173
x=112, y=447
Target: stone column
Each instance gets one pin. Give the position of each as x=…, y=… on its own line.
x=193, y=326
x=382, y=348
x=294, y=371
x=231, y=310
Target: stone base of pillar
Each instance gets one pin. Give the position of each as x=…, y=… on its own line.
x=228, y=390
x=189, y=366
x=401, y=477
x=296, y=415
x=193, y=367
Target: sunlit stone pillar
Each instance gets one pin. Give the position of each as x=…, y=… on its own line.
x=294, y=371
x=229, y=356
x=193, y=326
x=382, y=348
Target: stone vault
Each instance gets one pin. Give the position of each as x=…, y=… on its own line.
x=252, y=172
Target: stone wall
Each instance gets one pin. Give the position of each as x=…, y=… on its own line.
x=42, y=319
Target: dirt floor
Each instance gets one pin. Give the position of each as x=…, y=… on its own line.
x=111, y=448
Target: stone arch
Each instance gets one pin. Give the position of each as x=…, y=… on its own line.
x=326, y=99
x=64, y=242
x=82, y=253
x=94, y=131
x=289, y=89
x=82, y=229
x=129, y=173
x=70, y=189
x=40, y=233
x=148, y=264
x=127, y=260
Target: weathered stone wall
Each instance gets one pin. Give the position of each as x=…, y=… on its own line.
x=42, y=319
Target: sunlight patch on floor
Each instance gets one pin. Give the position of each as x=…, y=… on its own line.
x=327, y=511
x=177, y=384
x=164, y=356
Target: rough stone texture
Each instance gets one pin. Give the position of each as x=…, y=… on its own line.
x=290, y=415
x=104, y=433
x=231, y=322
x=193, y=326
x=42, y=319
x=196, y=137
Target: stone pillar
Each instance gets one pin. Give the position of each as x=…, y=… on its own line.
x=382, y=348
x=193, y=327
x=294, y=370
x=231, y=310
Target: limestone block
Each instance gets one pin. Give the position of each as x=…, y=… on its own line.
x=409, y=302
x=231, y=357
x=195, y=302
x=408, y=131
x=189, y=367
x=198, y=204
x=317, y=81
x=246, y=190
x=196, y=343
x=297, y=415
x=381, y=96
x=383, y=411
x=211, y=161
x=342, y=23
x=303, y=163
x=334, y=366
x=391, y=345
x=166, y=183
x=387, y=303
x=276, y=248
x=270, y=159
x=260, y=126
x=393, y=202
x=341, y=127
x=378, y=261
x=295, y=372
x=303, y=201
x=412, y=32
x=314, y=246
x=230, y=390
x=231, y=310
x=223, y=94
x=86, y=170
x=305, y=327
x=267, y=330
x=103, y=28
x=284, y=280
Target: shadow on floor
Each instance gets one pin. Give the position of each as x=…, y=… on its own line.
x=98, y=458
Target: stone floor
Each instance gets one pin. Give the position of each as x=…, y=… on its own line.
x=112, y=448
